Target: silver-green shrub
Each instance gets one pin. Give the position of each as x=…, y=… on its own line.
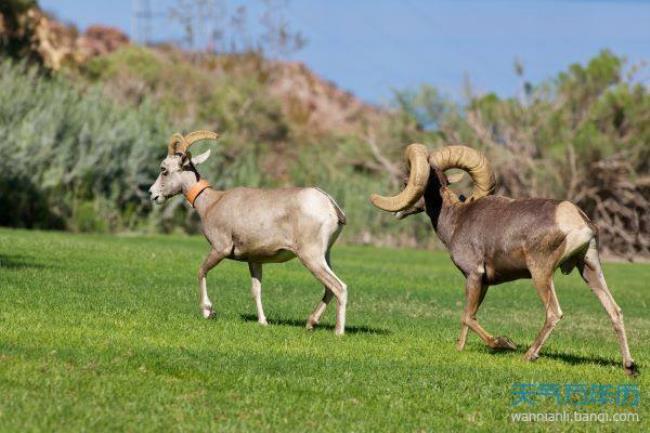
x=71, y=158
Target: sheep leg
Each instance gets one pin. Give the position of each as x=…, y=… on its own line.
x=464, y=329
x=255, y=270
x=462, y=338
x=314, y=318
x=592, y=273
x=546, y=290
x=211, y=260
x=320, y=269
x=474, y=294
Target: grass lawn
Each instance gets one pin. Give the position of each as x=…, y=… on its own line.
x=103, y=333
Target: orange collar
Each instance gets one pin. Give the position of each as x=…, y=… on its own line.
x=195, y=190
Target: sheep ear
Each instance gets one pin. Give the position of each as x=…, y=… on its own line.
x=199, y=159
x=455, y=177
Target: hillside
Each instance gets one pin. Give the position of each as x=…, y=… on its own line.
x=106, y=107
x=303, y=95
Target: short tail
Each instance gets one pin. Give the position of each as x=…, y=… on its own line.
x=339, y=212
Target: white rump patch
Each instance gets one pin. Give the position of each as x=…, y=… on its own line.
x=571, y=223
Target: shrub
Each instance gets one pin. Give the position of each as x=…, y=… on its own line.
x=69, y=146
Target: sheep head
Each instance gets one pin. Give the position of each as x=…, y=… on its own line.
x=177, y=170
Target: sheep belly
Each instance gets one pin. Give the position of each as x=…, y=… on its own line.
x=280, y=256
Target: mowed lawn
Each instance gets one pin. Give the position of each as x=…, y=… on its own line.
x=103, y=333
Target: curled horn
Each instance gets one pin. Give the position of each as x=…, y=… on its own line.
x=417, y=157
x=179, y=143
x=470, y=160
x=175, y=141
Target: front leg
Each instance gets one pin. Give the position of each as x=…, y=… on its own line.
x=543, y=282
x=255, y=270
x=475, y=291
x=212, y=259
x=462, y=339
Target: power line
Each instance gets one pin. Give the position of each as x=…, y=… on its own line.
x=142, y=21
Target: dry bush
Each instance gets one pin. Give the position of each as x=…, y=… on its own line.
x=583, y=136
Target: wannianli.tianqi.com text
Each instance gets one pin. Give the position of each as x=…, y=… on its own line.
x=574, y=416
x=577, y=394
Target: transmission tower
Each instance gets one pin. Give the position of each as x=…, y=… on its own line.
x=141, y=21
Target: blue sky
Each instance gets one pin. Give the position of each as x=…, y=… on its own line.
x=371, y=47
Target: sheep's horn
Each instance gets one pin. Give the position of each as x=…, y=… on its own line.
x=180, y=144
x=175, y=142
x=195, y=136
x=416, y=155
x=470, y=160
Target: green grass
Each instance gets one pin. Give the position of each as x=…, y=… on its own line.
x=103, y=333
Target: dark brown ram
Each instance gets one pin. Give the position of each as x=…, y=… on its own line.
x=495, y=239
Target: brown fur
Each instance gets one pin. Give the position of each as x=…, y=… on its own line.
x=496, y=239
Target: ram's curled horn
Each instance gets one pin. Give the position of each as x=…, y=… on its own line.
x=470, y=160
x=417, y=157
x=179, y=143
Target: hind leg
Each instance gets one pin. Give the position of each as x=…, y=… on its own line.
x=314, y=318
x=592, y=273
x=319, y=267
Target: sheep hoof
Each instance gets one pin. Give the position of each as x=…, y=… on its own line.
x=339, y=332
x=529, y=356
x=632, y=370
x=208, y=313
x=311, y=323
x=503, y=343
x=263, y=322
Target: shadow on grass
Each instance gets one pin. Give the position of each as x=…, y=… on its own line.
x=302, y=323
x=568, y=358
x=17, y=261
x=578, y=359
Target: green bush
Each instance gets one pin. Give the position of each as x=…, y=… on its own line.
x=70, y=146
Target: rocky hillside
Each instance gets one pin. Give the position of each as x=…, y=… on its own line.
x=55, y=44
x=304, y=96
x=329, y=108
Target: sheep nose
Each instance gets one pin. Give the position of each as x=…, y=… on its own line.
x=153, y=195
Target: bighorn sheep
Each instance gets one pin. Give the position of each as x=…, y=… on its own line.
x=256, y=226
x=493, y=239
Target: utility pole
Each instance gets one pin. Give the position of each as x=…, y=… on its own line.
x=141, y=21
